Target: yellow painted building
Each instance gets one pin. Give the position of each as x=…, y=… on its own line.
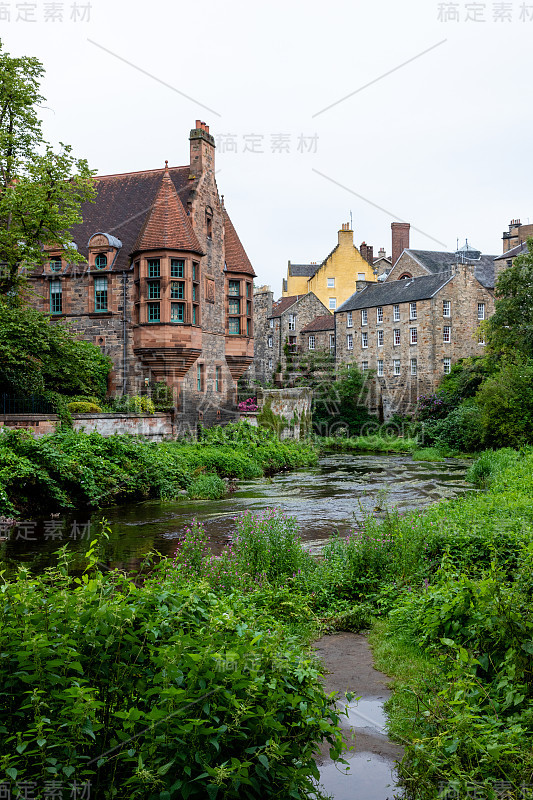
x=334, y=280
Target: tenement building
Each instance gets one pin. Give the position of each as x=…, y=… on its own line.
x=278, y=328
x=167, y=290
x=412, y=327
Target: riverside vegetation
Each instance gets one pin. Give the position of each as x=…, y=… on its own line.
x=194, y=679
x=68, y=470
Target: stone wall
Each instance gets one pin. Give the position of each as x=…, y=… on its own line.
x=153, y=426
x=292, y=405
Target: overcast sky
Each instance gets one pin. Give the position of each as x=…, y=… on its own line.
x=442, y=141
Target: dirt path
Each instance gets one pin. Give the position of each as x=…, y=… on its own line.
x=349, y=667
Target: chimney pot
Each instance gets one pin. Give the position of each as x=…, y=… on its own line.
x=198, y=124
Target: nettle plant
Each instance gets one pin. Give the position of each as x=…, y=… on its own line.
x=153, y=691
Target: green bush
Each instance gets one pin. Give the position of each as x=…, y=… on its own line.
x=154, y=691
x=462, y=430
x=83, y=407
x=506, y=402
x=207, y=487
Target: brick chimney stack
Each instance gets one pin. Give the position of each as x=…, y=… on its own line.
x=202, y=150
x=400, y=239
x=367, y=251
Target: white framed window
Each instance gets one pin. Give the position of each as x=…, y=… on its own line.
x=396, y=313
x=361, y=276
x=349, y=341
x=380, y=338
x=271, y=323
x=270, y=341
x=447, y=366
x=412, y=310
x=446, y=308
x=481, y=310
x=349, y=320
x=312, y=342
x=379, y=314
x=364, y=316
x=446, y=333
x=332, y=303
x=380, y=367
x=292, y=322
x=331, y=283
x=413, y=366
x=413, y=335
x=270, y=363
x=396, y=338
x=364, y=366
x=364, y=339
x=480, y=337
x=332, y=341
x=396, y=365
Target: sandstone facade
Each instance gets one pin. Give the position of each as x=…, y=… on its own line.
x=167, y=291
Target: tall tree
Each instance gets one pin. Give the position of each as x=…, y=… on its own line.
x=511, y=326
x=41, y=191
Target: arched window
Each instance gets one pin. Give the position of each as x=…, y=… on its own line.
x=404, y=276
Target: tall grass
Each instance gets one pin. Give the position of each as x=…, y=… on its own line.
x=375, y=443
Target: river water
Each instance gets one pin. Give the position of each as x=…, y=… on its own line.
x=331, y=497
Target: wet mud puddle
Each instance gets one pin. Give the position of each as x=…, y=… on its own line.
x=371, y=756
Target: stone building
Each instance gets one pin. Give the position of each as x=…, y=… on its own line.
x=516, y=235
x=277, y=332
x=334, y=279
x=167, y=290
x=411, y=331
x=318, y=336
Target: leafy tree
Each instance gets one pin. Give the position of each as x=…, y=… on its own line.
x=38, y=357
x=340, y=403
x=41, y=191
x=511, y=326
x=506, y=402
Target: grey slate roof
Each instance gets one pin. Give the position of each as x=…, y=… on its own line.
x=515, y=251
x=303, y=270
x=436, y=261
x=408, y=290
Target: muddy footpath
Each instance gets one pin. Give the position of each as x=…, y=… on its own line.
x=371, y=755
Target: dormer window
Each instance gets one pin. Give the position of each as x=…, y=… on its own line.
x=103, y=250
x=56, y=264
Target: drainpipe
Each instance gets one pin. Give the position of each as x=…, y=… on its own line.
x=124, y=338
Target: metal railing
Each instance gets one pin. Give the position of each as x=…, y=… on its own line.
x=25, y=405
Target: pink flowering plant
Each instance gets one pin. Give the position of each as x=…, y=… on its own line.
x=249, y=405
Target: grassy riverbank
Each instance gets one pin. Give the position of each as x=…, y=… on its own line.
x=448, y=594
x=69, y=470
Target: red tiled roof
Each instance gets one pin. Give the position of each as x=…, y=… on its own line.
x=283, y=304
x=326, y=322
x=167, y=226
x=122, y=204
x=236, y=258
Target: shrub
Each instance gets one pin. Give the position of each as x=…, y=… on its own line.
x=154, y=691
x=207, y=487
x=462, y=430
x=506, y=402
x=83, y=407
